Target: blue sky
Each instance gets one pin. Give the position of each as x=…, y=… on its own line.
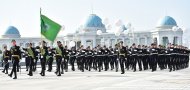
x=143, y=14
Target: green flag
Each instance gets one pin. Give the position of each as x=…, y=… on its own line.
x=49, y=28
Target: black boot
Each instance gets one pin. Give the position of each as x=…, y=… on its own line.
x=15, y=75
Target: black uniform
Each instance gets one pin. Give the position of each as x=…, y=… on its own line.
x=72, y=59
x=66, y=60
x=122, y=53
x=140, y=58
x=153, y=58
x=89, y=59
x=36, y=57
x=16, y=56
x=106, y=59
x=6, y=57
x=59, y=57
x=100, y=59
x=134, y=58
x=27, y=59
x=30, y=56
x=43, y=54
x=49, y=58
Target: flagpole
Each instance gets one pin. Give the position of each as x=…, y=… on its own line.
x=40, y=27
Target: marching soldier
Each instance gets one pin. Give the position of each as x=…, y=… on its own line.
x=144, y=57
x=59, y=56
x=16, y=56
x=111, y=57
x=30, y=50
x=106, y=59
x=95, y=58
x=49, y=58
x=27, y=59
x=36, y=57
x=161, y=57
x=154, y=57
x=72, y=58
x=66, y=60
x=43, y=54
x=99, y=57
x=89, y=58
x=82, y=58
x=116, y=57
x=6, y=57
x=140, y=57
x=134, y=57
x=122, y=51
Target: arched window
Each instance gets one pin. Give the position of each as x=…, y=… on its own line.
x=175, y=41
x=165, y=41
x=156, y=41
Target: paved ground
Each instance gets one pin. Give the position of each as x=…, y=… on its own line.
x=110, y=80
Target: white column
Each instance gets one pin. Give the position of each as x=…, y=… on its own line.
x=94, y=42
x=146, y=43
x=179, y=40
x=160, y=41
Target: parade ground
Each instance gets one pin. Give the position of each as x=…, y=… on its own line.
x=105, y=80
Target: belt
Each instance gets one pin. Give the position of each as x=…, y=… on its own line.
x=173, y=53
x=122, y=54
x=16, y=56
x=58, y=54
x=160, y=54
x=6, y=56
x=154, y=53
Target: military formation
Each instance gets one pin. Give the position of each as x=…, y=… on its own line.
x=172, y=57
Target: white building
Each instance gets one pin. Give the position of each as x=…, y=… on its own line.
x=162, y=34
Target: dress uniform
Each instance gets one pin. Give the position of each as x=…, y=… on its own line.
x=6, y=57
x=72, y=58
x=36, y=57
x=153, y=57
x=95, y=58
x=49, y=59
x=89, y=58
x=116, y=57
x=82, y=52
x=134, y=58
x=27, y=59
x=30, y=52
x=144, y=58
x=65, y=60
x=111, y=57
x=122, y=51
x=99, y=58
x=16, y=56
x=161, y=57
x=106, y=59
x=43, y=54
x=59, y=56
x=139, y=57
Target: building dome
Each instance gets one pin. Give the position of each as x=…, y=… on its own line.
x=166, y=21
x=11, y=32
x=94, y=21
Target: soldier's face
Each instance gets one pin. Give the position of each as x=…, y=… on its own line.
x=58, y=44
x=14, y=43
x=121, y=44
x=43, y=44
x=5, y=48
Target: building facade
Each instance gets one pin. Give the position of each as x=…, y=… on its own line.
x=162, y=34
